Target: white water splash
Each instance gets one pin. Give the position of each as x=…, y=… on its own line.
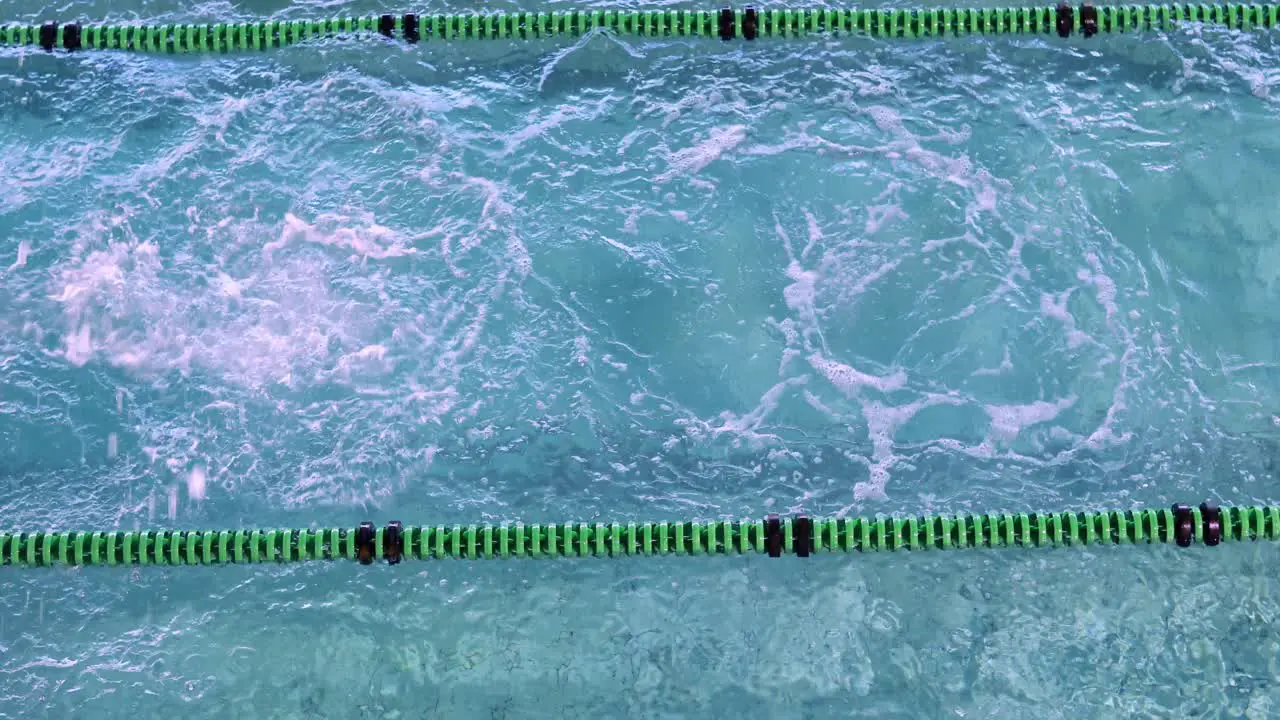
x=690, y=160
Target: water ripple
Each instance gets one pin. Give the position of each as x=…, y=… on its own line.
x=619, y=279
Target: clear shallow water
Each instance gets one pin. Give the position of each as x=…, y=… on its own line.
x=620, y=280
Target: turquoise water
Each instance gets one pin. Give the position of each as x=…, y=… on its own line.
x=622, y=279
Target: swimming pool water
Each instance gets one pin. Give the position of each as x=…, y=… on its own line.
x=623, y=279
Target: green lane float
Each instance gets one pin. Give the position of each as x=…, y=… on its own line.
x=749, y=23
x=798, y=536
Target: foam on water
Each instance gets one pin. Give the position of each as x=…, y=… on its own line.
x=118, y=305
x=690, y=160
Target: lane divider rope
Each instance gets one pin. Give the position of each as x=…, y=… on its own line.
x=749, y=23
x=798, y=536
